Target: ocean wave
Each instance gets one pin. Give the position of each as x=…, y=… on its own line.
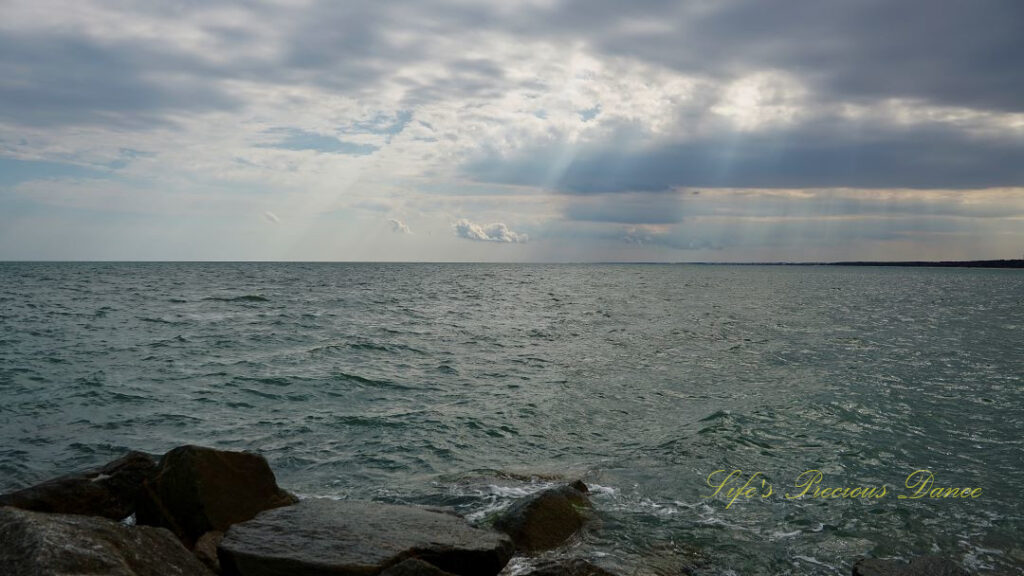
x=243, y=298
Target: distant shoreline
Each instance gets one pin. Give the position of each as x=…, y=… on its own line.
x=1019, y=263
x=1015, y=263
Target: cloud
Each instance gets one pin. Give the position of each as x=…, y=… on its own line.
x=496, y=232
x=826, y=153
x=590, y=119
x=626, y=208
x=13, y=171
x=296, y=139
x=271, y=217
x=785, y=237
x=58, y=78
x=948, y=53
x=679, y=238
x=399, y=227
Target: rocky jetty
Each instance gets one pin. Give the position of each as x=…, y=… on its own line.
x=39, y=544
x=201, y=511
x=355, y=538
x=546, y=519
x=109, y=491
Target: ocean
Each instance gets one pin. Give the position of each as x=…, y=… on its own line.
x=468, y=385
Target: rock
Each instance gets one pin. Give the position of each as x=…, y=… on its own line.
x=414, y=567
x=197, y=489
x=40, y=544
x=109, y=491
x=572, y=567
x=546, y=519
x=922, y=566
x=321, y=536
x=206, y=549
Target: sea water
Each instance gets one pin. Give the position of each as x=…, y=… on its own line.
x=469, y=385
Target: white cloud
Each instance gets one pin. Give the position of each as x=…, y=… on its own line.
x=530, y=112
x=399, y=227
x=496, y=232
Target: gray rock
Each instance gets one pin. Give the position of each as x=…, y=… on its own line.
x=109, y=491
x=197, y=489
x=546, y=519
x=321, y=536
x=922, y=566
x=414, y=567
x=40, y=544
x=573, y=567
x=206, y=549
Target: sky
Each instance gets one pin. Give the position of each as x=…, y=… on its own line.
x=531, y=130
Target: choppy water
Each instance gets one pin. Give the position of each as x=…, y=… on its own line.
x=468, y=385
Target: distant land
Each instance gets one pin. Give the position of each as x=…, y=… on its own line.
x=1018, y=263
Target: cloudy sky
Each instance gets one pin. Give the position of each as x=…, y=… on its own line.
x=533, y=130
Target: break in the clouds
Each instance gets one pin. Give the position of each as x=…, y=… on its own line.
x=649, y=130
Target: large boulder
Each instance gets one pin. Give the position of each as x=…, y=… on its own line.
x=40, y=544
x=197, y=489
x=546, y=519
x=109, y=491
x=922, y=566
x=321, y=536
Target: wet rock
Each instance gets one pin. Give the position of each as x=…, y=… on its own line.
x=109, y=491
x=546, y=519
x=321, y=536
x=572, y=567
x=414, y=567
x=197, y=489
x=923, y=566
x=206, y=549
x=37, y=543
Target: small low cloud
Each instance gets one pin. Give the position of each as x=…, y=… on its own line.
x=496, y=232
x=271, y=217
x=399, y=227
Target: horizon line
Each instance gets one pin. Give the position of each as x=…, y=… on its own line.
x=986, y=263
